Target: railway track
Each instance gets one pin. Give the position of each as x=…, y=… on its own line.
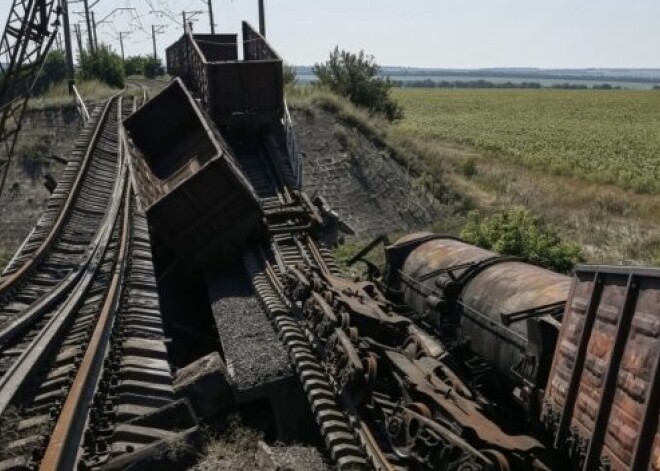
x=339, y=335
x=290, y=246
x=82, y=356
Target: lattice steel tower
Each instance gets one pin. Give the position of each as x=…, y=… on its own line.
x=28, y=35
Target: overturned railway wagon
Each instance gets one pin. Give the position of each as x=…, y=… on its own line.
x=195, y=195
x=582, y=356
x=602, y=399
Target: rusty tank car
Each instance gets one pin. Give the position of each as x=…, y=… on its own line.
x=503, y=314
x=580, y=354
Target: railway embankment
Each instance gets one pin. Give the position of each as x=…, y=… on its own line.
x=47, y=137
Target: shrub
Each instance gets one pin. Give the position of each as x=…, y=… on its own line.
x=153, y=67
x=355, y=76
x=5, y=258
x=519, y=232
x=469, y=168
x=289, y=74
x=134, y=65
x=102, y=64
x=52, y=72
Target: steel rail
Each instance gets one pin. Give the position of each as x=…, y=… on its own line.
x=33, y=356
x=47, y=301
x=65, y=438
x=9, y=282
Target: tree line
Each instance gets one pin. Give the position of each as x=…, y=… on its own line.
x=102, y=64
x=428, y=83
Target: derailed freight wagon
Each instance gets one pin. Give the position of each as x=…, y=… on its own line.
x=581, y=355
x=195, y=195
x=602, y=401
x=233, y=91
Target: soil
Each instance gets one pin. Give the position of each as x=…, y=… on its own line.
x=44, y=133
x=371, y=192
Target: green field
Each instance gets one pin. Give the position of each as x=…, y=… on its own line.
x=604, y=136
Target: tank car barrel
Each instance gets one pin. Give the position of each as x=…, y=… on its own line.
x=504, y=310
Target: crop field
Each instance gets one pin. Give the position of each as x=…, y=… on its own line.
x=603, y=136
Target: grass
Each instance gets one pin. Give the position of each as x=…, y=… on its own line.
x=611, y=223
x=421, y=161
x=235, y=449
x=602, y=136
x=58, y=95
x=5, y=258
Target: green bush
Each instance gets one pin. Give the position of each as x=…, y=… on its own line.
x=519, y=232
x=52, y=72
x=153, y=67
x=102, y=64
x=134, y=65
x=355, y=76
x=289, y=74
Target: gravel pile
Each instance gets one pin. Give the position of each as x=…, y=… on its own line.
x=253, y=352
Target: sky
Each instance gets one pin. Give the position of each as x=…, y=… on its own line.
x=413, y=33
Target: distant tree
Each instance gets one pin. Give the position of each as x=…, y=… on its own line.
x=656, y=87
x=53, y=71
x=134, y=65
x=356, y=77
x=153, y=67
x=102, y=64
x=289, y=74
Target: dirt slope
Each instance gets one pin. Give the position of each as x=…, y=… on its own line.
x=370, y=191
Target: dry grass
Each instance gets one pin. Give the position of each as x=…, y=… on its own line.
x=5, y=258
x=234, y=450
x=611, y=224
x=58, y=95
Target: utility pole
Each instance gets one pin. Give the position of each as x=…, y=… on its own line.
x=89, y=27
x=153, y=37
x=79, y=39
x=121, y=43
x=96, y=39
x=211, y=16
x=67, y=45
x=188, y=17
x=262, y=19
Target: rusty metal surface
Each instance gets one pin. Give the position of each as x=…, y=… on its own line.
x=505, y=310
x=232, y=91
x=602, y=394
x=402, y=382
x=192, y=189
x=218, y=47
x=256, y=47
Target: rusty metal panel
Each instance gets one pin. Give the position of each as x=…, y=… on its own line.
x=256, y=47
x=253, y=88
x=187, y=179
x=655, y=454
x=218, y=47
x=505, y=310
x=602, y=394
